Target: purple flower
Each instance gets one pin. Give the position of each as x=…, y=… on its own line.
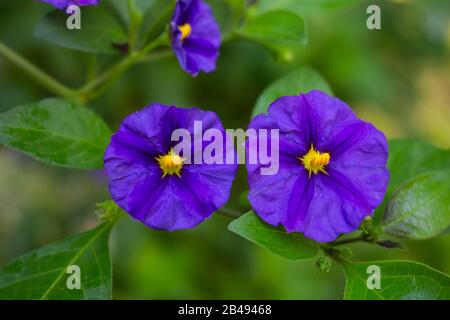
x=332, y=170
x=195, y=36
x=63, y=4
x=153, y=183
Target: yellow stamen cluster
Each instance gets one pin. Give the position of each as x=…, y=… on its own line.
x=170, y=164
x=185, y=30
x=315, y=161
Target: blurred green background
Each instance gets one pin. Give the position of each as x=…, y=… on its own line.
x=397, y=78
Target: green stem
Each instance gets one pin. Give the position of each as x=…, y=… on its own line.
x=348, y=240
x=43, y=78
x=102, y=82
x=91, y=67
x=156, y=55
x=106, y=77
x=162, y=40
x=336, y=255
x=229, y=213
x=135, y=23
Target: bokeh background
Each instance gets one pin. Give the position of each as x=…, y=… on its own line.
x=397, y=78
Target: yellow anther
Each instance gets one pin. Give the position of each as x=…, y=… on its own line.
x=170, y=164
x=315, y=161
x=185, y=30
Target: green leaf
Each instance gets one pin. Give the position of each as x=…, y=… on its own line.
x=304, y=6
x=300, y=80
x=57, y=132
x=292, y=246
x=43, y=273
x=409, y=158
x=236, y=5
x=142, y=5
x=109, y=211
x=420, y=208
x=399, y=280
x=145, y=5
x=155, y=20
x=275, y=29
x=98, y=34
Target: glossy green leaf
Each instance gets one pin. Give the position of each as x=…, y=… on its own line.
x=275, y=29
x=420, y=208
x=99, y=33
x=292, y=246
x=301, y=80
x=409, y=158
x=46, y=272
x=399, y=280
x=57, y=132
x=304, y=6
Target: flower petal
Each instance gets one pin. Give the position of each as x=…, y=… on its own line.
x=360, y=154
x=176, y=208
x=326, y=115
x=270, y=194
x=333, y=210
x=63, y=4
x=201, y=55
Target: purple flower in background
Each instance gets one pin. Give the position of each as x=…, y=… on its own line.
x=332, y=170
x=195, y=36
x=153, y=183
x=63, y=4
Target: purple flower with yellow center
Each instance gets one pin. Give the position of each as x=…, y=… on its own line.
x=195, y=36
x=155, y=184
x=63, y=4
x=332, y=167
